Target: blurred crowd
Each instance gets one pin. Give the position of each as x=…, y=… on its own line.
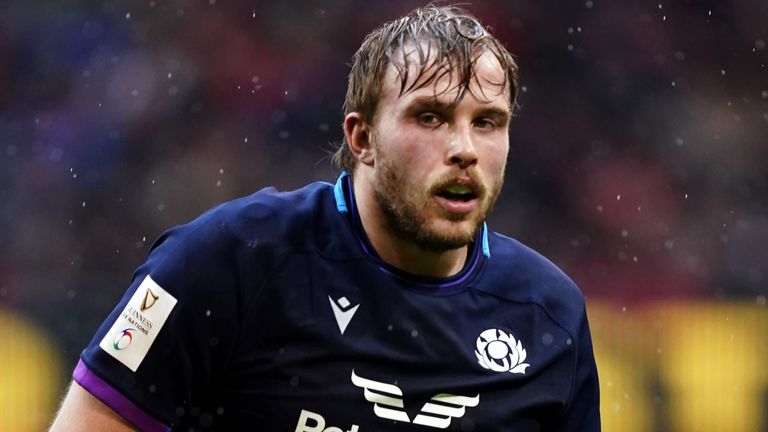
x=638, y=158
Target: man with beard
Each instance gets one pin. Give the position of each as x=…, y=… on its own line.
x=380, y=303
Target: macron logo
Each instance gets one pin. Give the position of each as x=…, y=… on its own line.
x=343, y=311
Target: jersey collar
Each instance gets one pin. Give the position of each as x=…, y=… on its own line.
x=344, y=196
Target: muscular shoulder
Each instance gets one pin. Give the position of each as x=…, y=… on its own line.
x=267, y=218
x=240, y=240
x=519, y=274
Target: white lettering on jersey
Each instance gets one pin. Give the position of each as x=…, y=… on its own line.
x=445, y=407
x=343, y=312
x=134, y=331
x=317, y=424
x=387, y=402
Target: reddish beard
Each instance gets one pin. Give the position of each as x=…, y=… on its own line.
x=406, y=211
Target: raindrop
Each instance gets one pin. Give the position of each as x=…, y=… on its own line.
x=208, y=313
x=764, y=94
x=221, y=170
x=679, y=141
x=547, y=339
x=152, y=388
x=83, y=203
x=618, y=197
x=722, y=72
x=414, y=333
x=624, y=233
x=599, y=208
x=589, y=4
x=669, y=244
x=128, y=15
x=760, y=44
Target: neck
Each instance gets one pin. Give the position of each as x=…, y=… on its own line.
x=401, y=253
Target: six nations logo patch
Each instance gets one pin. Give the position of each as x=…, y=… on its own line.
x=500, y=352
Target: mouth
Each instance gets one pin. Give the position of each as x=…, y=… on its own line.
x=457, y=192
x=458, y=196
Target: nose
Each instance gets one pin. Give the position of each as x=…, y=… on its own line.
x=462, y=150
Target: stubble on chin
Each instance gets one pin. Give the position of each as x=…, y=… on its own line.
x=406, y=214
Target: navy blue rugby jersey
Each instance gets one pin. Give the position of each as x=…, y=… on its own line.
x=273, y=313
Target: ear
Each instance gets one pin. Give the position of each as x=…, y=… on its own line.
x=358, y=135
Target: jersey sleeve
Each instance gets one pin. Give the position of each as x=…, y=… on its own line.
x=163, y=350
x=583, y=411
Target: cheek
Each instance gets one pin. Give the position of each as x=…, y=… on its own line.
x=496, y=157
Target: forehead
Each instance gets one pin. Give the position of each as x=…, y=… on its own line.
x=405, y=77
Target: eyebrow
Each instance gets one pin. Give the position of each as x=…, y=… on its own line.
x=432, y=103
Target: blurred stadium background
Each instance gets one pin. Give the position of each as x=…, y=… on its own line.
x=638, y=164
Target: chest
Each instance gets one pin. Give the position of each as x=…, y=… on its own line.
x=344, y=346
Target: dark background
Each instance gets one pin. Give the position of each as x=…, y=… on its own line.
x=638, y=158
